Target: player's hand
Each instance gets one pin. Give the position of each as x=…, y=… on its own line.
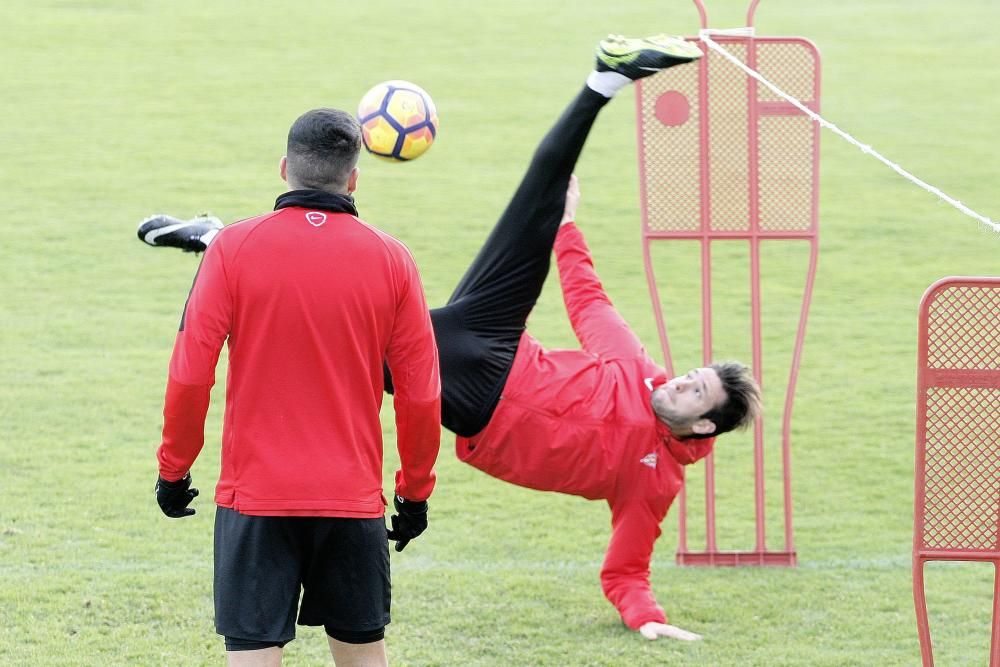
x=174, y=497
x=653, y=630
x=572, y=200
x=409, y=523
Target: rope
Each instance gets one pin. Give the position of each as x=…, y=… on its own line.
x=705, y=36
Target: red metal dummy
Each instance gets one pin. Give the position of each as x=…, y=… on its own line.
x=723, y=158
x=957, y=491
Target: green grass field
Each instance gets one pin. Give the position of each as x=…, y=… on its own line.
x=115, y=109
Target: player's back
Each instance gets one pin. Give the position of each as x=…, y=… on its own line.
x=314, y=296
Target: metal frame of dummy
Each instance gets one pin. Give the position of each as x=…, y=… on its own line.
x=697, y=222
x=956, y=512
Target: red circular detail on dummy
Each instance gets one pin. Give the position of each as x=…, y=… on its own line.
x=672, y=108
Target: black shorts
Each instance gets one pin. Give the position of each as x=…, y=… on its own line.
x=340, y=565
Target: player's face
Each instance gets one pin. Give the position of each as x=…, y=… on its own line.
x=681, y=401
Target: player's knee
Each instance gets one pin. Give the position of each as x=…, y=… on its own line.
x=354, y=636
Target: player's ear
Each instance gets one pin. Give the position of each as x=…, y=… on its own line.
x=703, y=427
x=352, y=180
x=283, y=168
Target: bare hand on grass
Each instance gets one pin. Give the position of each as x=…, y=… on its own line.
x=653, y=630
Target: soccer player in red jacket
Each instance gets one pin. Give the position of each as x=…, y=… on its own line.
x=310, y=300
x=603, y=422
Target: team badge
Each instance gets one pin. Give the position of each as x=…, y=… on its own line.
x=315, y=218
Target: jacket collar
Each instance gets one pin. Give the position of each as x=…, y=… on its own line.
x=316, y=199
x=684, y=450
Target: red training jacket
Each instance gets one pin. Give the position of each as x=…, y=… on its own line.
x=311, y=302
x=581, y=422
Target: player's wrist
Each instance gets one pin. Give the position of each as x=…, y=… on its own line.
x=176, y=483
x=404, y=506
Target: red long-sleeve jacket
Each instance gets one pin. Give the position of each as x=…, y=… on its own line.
x=311, y=302
x=581, y=422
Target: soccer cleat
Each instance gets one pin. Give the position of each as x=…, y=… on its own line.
x=639, y=57
x=192, y=235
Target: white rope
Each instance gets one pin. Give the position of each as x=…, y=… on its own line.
x=705, y=36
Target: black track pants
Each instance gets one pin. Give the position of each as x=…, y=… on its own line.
x=478, y=330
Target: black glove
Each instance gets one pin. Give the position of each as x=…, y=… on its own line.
x=409, y=523
x=174, y=497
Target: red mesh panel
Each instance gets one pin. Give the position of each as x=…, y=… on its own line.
x=962, y=468
x=786, y=186
x=672, y=164
x=729, y=175
x=699, y=158
x=962, y=329
x=791, y=66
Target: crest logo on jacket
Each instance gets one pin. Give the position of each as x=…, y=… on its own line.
x=315, y=218
x=649, y=460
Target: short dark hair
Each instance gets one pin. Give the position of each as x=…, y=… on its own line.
x=742, y=404
x=323, y=148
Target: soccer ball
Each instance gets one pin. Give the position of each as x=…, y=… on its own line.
x=398, y=120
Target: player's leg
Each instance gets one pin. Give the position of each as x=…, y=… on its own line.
x=346, y=588
x=256, y=587
x=265, y=657
x=513, y=262
x=478, y=331
x=358, y=655
x=507, y=274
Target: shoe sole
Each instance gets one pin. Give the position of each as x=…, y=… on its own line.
x=626, y=50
